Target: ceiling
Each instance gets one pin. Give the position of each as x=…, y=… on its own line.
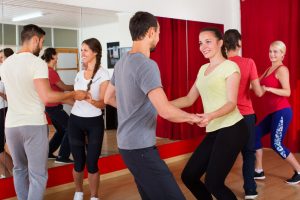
x=55, y=15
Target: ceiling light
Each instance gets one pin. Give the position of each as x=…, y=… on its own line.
x=28, y=16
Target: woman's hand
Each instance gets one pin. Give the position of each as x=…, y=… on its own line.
x=206, y=118
x=267, y=89
x=90, y=100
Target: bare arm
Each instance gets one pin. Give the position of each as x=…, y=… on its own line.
x=110, y=96
x=3, y=95
x=70, y=101
x=282, y=75
x=264, y=74
x=232, y=87
x=168, y=111
x=47, y=95
x=257, y=88
x=100, y=103
x=187, y=100
x=61, y=85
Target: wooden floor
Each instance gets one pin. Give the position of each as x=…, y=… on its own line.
x=120, y=185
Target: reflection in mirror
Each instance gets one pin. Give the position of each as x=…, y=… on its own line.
x=6, y=164
x=66, y=27
x=61, y=24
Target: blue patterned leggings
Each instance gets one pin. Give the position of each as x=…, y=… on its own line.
x=277, y=124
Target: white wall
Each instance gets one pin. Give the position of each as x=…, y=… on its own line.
x=116, y=31
x=104, y=33
x=225, y=12
x=124, y=34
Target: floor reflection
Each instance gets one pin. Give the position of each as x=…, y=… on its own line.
x=109, y=146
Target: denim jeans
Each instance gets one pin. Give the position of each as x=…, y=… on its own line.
x=59, y=119
x=248, y=153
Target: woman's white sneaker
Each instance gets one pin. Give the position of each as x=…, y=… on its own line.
x=78, y=196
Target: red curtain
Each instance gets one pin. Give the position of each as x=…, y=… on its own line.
x=164, y=61
x=178, y=57
x=179, y=71
x=263, y=22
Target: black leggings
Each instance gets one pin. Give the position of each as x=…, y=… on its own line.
x=2, y=122
x=215, y=156
x=79, y=128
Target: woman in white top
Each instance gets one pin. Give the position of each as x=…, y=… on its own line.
x=86, y=118
x=5, y=159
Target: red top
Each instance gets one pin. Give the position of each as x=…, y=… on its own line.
x=273, y=102
x=248, y=73
x=53, y=79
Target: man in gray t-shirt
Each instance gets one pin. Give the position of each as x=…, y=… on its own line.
x=136, y=114
x=136, y=91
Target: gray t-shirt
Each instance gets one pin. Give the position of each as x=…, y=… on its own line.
x=134, y=77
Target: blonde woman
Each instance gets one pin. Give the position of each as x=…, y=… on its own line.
x=277, y=112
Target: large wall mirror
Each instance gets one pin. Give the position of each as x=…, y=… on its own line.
x=66, y=27
x=177, y=55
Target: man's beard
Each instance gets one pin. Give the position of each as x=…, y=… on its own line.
x=36, y=52
x=152, y=49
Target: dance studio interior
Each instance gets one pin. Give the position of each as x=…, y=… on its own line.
x=261, y=22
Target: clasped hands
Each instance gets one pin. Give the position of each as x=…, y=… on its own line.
x=82, y=95
x=200, y=120
x=265, y=88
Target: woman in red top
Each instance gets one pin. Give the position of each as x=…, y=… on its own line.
x=277, y=111
x=249, y=77
x=55, y=111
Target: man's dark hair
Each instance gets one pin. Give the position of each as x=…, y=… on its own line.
x=231, y=39
x=31, y=30
x=140, y=23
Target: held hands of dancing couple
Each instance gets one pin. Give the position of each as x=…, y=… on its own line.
x=82, y=95
x=200, y=120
